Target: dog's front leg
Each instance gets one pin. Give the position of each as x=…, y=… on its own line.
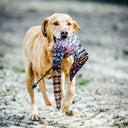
x=29, y=81
x=67, y=101
x=43, y=89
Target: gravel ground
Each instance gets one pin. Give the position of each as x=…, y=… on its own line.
x=101, y=98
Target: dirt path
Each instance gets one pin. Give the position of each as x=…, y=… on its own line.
x=101, y=98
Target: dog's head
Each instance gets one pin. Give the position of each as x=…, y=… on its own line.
x=58, y=26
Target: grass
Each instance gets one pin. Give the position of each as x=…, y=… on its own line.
x=18, y=70
x=116, y=57
x=72, y=12
x=2, y=63
x=1, y=67
x=32, y=9
x=2, y=6
x=125, y=50
x=82, y=82
x=101, y=110
x=114, y=27
x=89, y=106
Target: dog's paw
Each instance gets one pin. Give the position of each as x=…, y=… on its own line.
x=48, y=103
x=35, y=117
x=65, y=106
x=69, y=112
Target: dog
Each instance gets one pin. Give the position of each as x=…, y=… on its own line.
x=37, y=58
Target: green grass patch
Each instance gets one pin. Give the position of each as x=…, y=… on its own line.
x=125, y=51
x=32, y=9
x=88, y=106
x=101, y=110
x=114, y=27
x=1, y=67
x=116, y=57
x=72, y=12
x=2, y=6
x=2, y=63
x=18, y=70
x=82, y=82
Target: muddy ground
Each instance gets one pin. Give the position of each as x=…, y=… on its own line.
x=101, y=98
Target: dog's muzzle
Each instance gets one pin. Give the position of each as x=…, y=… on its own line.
x=64, y=34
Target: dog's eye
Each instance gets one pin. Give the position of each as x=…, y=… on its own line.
x=69, y=23
x=55, y=23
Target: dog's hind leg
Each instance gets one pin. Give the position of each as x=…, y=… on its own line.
x=29, y=82
x=43, y=89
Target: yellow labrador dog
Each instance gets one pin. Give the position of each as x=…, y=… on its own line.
x=37, y=58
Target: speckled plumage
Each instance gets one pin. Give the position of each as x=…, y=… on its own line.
x=62, y=49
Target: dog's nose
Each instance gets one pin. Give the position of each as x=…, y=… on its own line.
x=64, y=34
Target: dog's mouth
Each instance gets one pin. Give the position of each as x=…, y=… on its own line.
x=55, y=39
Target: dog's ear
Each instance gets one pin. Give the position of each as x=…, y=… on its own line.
x=76, y=26
x=43, y=27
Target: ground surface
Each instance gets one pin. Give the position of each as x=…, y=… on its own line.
x=101, y=98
